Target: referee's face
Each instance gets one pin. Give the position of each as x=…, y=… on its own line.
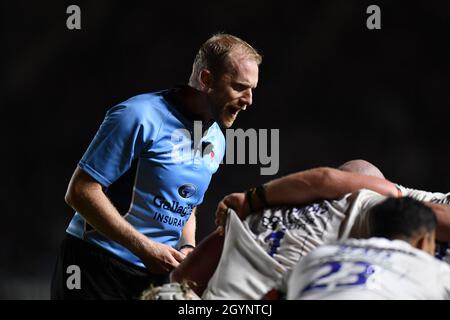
x=232, y=91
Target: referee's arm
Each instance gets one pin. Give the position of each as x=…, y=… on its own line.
x=187, y=242
x=85, y=195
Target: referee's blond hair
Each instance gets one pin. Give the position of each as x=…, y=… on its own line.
x=214, y=54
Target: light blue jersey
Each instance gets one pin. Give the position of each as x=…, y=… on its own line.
x=144, y=158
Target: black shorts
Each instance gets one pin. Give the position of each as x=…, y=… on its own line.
x=102, y=275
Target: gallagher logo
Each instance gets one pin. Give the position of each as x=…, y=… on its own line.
x=187, y=190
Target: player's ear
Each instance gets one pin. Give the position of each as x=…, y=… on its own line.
x=420, y=243
x=426, y=242
x=205, y=79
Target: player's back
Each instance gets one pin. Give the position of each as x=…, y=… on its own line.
x=375, y=268
x=265, y=246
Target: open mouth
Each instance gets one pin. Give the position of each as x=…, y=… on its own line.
x=234, y=110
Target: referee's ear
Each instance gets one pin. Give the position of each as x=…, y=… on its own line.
x=205, y=79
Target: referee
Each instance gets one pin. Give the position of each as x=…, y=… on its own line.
x=134, y=192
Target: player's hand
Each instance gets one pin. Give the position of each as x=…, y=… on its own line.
x=235, y=201
x=161, y=258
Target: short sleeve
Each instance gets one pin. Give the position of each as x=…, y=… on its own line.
x=120, y=139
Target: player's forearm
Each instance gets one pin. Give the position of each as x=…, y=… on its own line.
x=322, y=183
x=200, y=273
x=339, y=183
x=89, y=200
x=297, y=188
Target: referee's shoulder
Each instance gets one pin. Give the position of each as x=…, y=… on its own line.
x=146, y=105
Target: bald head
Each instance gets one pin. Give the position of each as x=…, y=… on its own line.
x=361, y=167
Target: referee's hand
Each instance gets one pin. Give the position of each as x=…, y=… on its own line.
x=161, y=258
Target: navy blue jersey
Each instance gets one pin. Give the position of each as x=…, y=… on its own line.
x=151, y=167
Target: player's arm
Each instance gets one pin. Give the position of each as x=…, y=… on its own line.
x=322, y=183
x=85, y=195
x=305, y=187
x=208, y=252
x=188, y=233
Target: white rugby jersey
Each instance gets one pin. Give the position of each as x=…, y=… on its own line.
x=244, y=271
x=435, y=197
x=446, y=258
x=373, y=268
x=289, y=233
x=260, y=250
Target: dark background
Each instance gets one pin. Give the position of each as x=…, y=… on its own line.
x=335, y=89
